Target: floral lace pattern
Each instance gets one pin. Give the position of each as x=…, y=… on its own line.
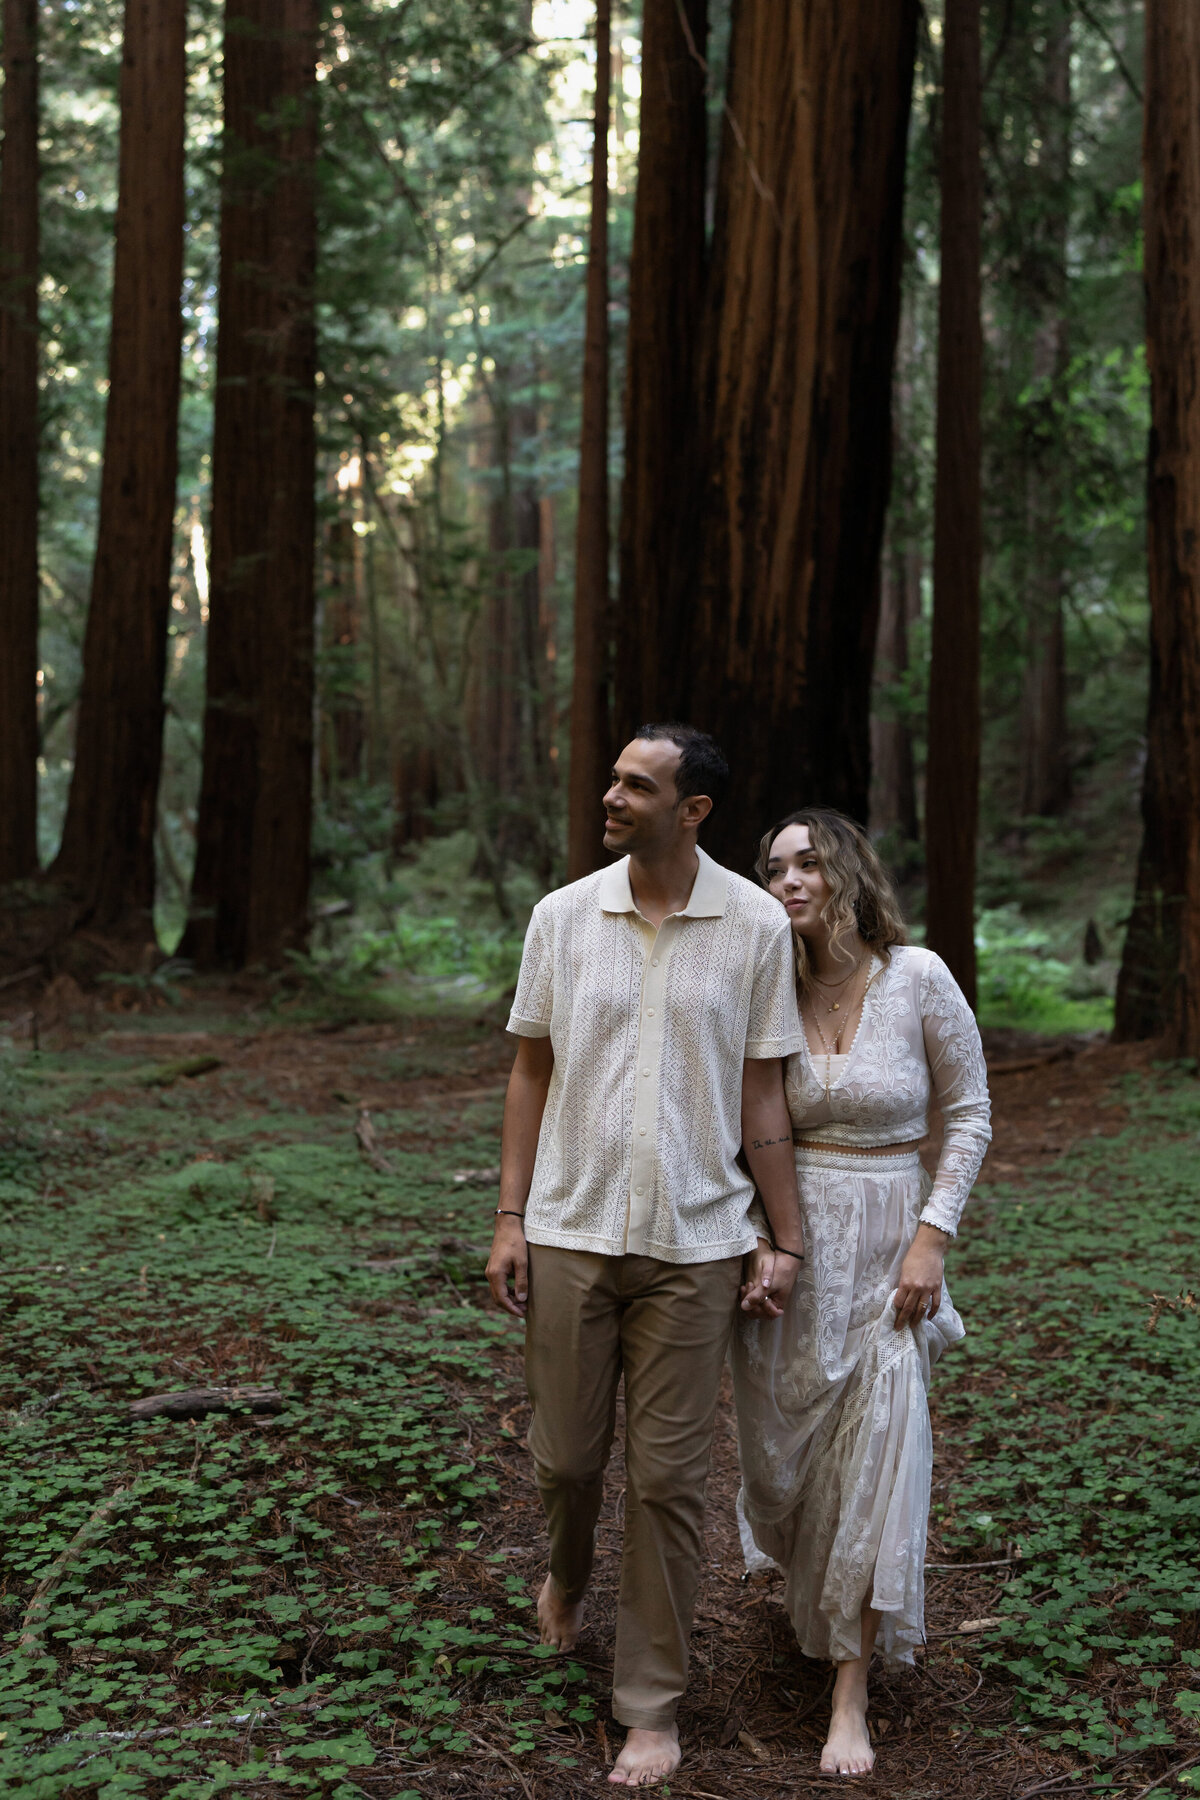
x=917, y=1040
x=833, y=1415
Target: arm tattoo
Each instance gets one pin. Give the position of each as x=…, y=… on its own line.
x=765, y=1143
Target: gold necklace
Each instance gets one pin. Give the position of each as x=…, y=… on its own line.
x=837, y=1040
x=836, y=1005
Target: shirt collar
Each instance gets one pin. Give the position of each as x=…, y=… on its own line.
x=708, y=895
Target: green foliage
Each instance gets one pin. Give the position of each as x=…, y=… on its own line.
x=244, y=1597
x=1022, y=984
x=1071, y=1398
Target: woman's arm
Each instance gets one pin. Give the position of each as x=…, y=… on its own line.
x=959, y=1074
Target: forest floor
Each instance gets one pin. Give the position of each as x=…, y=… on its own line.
x=333, y=1596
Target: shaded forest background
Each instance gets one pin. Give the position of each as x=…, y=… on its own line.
x=784, y=599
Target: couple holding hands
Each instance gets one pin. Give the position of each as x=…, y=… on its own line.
x=710, y=1146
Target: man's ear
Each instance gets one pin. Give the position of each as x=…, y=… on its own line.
x=695, y=809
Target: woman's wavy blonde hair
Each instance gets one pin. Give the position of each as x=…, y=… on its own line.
x=862, y=897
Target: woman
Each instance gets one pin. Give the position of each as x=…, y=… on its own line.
x=833, y=1417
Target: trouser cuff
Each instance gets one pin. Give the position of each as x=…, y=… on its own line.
x=635, y=1719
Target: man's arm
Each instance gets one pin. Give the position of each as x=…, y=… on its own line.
x=767, y=1142
x=524, y=1104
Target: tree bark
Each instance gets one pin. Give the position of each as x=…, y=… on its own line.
x=804, y=306
x=250, y=889
x=659, y=497
x=894, y=788
x=19, y=445
x=591, y=725
x=512, y=748
x=345, y=738
x=107, y=854
x=1045, y=767
x=1159, y=988
x=952, y=770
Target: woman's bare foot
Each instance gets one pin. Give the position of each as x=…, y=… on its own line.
x=648, y=1758
x=848, y=1747
x=559, y=1621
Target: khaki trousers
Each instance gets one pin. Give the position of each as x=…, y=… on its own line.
x=665, y=1327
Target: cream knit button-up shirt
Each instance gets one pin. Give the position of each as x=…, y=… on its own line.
x=649, y=1030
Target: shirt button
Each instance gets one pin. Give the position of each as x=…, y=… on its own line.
x=641, y=1131
x=639, y=1190
x=649, y=1012
x=645, y=1071
x=654, y=962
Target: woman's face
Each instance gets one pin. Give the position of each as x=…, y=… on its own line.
x=794, y=877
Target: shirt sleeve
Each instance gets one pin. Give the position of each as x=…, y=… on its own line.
x=774, y=1027
x=959, y=1073
x=533, y=1001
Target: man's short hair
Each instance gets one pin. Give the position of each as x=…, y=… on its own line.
x=702, y=766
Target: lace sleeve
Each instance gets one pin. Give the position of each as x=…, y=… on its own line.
x=959, y=1075
x=533, y=1002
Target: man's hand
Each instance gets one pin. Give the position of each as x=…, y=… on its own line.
x=509, y=1263
x=770, y=1279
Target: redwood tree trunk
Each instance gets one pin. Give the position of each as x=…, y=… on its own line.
x=19, y=445
x=591, y=728
x=893, y=780
x=1159, y=987
x=952, y=769
x=1045, y=768
x=804, y=308
x=659, y=498
x=250, y=889
x=107, y=854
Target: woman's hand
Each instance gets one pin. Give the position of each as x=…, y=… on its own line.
x=919, y=1289
x=769, y=1281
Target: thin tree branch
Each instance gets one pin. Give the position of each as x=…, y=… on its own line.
x=1101, y=31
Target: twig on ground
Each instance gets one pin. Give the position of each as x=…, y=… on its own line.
x=1171, y=1775
x=364, y=1137
x=39, y=1605
x=999, y=1562
x=508, y=1763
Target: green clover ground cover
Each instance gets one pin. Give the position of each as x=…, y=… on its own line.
x=280, y=1581
x=1075, y=1398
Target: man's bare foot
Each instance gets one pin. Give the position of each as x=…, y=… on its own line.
x=559, y=1621
x=648, y=1758
x=848, y=1747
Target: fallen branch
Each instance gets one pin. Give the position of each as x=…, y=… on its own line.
x=21, y=975
x=165, y=1075
x=197, y=1403
x=35, y=1613
x=999, y=1562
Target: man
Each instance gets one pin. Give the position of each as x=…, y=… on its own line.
x=655, y=1002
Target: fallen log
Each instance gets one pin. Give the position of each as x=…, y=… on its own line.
x=197, y=1403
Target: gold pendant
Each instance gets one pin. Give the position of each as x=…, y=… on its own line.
x=836, y=1007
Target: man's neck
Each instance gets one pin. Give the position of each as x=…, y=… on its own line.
x=663, y=884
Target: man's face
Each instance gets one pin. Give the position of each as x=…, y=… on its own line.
x=640, y=806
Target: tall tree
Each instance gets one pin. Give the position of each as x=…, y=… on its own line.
x=1043, y=284
x=512, y=746
x=1159, y=987
x=591, y=728
x=952, y=769
x=658, y=538
x=106, y=860
x=19, y=444
x=250, y=888
x=772, y=647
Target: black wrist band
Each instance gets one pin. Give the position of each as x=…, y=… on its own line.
x=780, y=1251
x=502, y=1212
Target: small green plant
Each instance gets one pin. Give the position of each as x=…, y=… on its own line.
x=1021, y=984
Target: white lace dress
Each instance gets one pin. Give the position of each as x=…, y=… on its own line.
x=833, y=1416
